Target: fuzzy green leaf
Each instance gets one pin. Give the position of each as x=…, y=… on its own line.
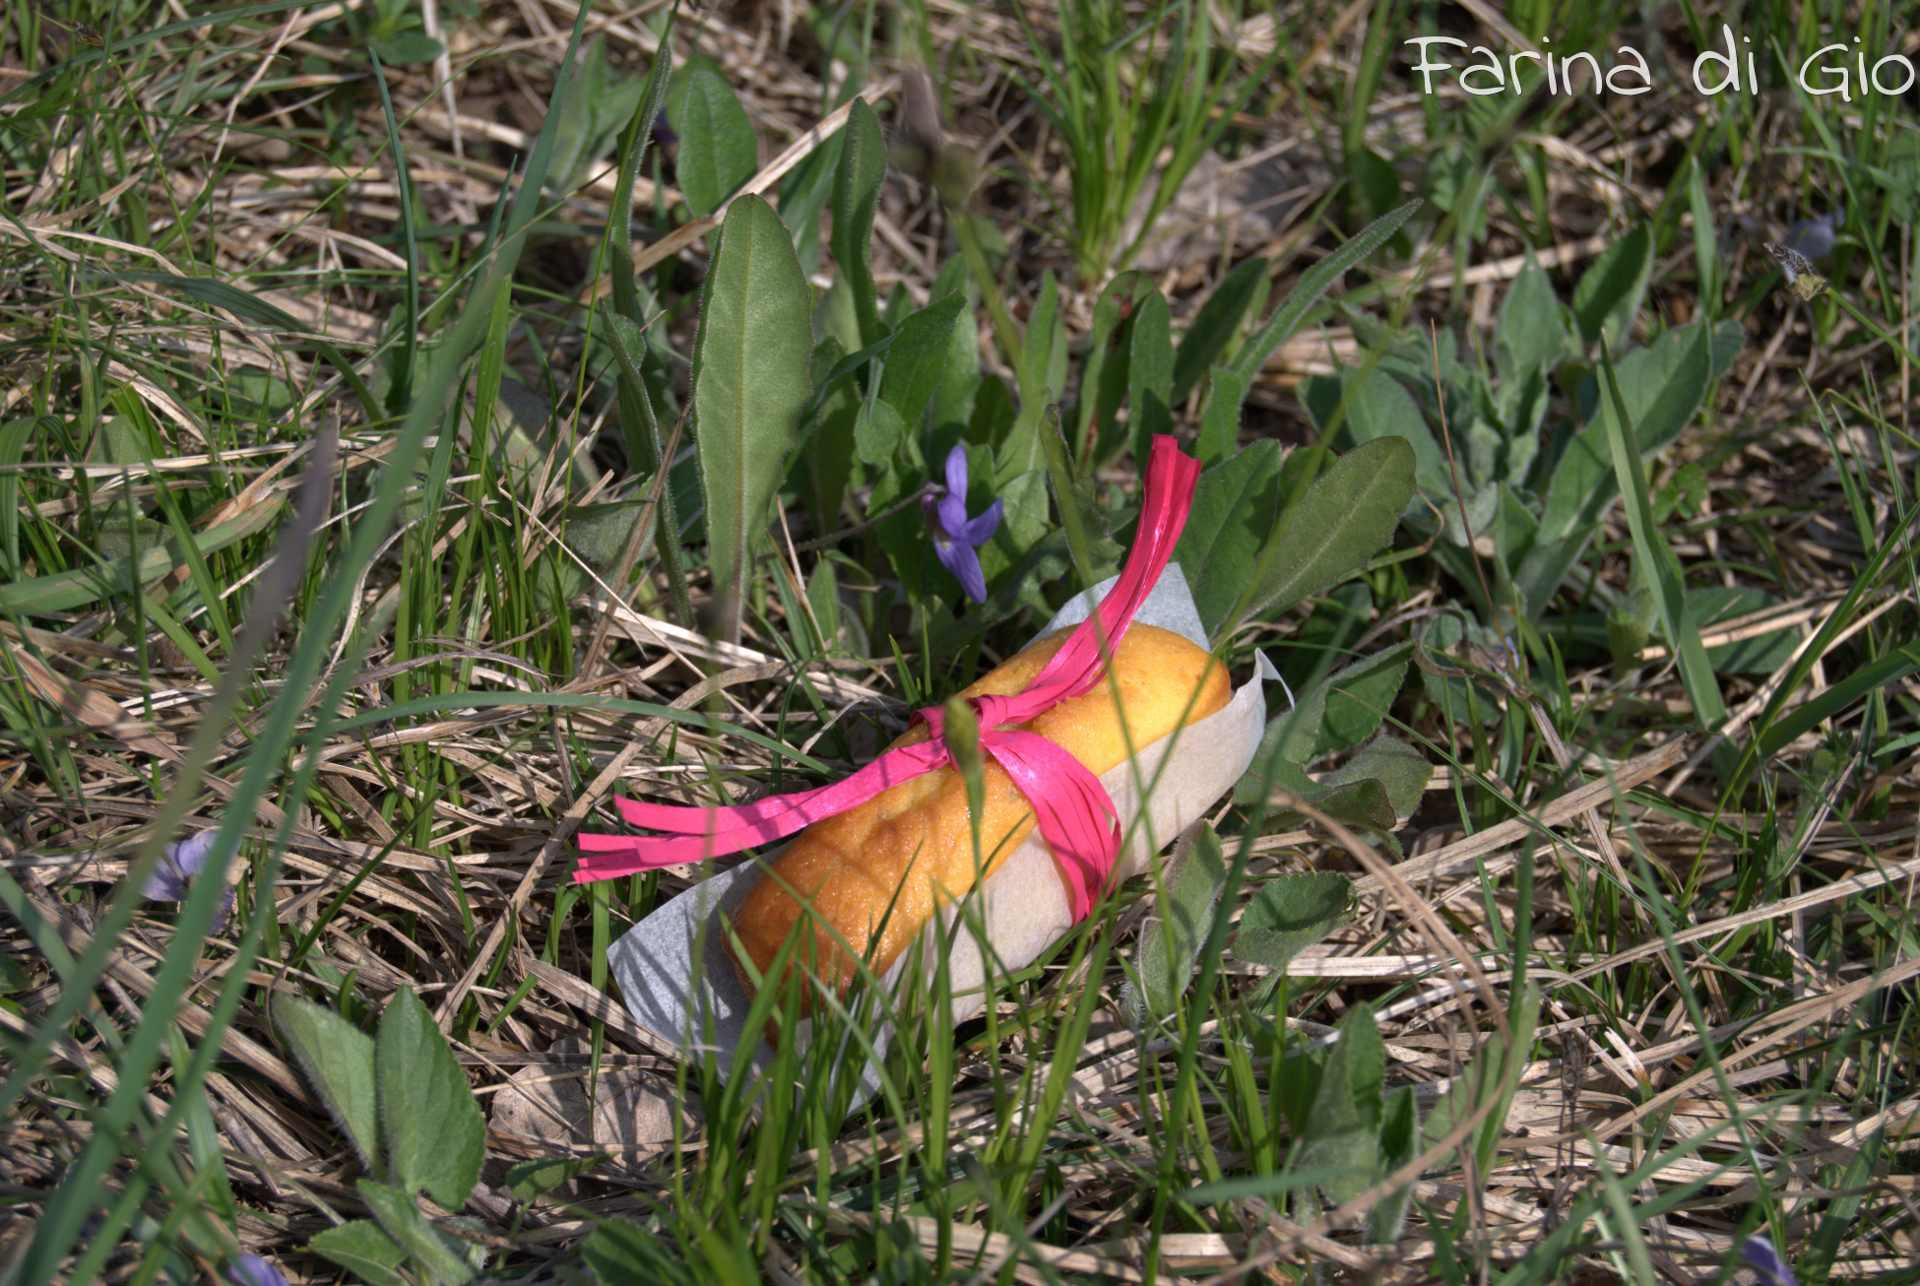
x=1290, y=913
x=717, y=148
x=435, y=1136
x=856, y=197
x=749, y=383
x=1165, y=958
x=1215, y=325
x=1609, y=293
x=401, y=1219
x=1376, y=405
x=877, y=432
x=1346, y=516
x=919, y=356
x=1220, y=430
x=1314, y=282
x=1532, y=333
x=532, y=1179
x=337, y=1058
x=1402, y=771
x=1343, y=1130
x=1233, y=508
x=828, y=454
x=599, y=533
x=1399, y=1140
x=1662, y=386
x=621, y=1251
x=360, y=1247
x=1358, y=698
x=1655, y=554
x=1150, y=375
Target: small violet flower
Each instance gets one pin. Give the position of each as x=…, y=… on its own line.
x=168, y=883
x=253, y=1270
x=956, y=536
x=1768, y=1262
x=1814, y=237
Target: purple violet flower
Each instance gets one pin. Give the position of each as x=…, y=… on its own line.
x=1768, y=1262
x=956, y=536
x=253, y=1270
x=1814, y=237
x=179, y=863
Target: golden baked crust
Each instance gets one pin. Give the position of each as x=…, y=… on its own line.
x=915, y=839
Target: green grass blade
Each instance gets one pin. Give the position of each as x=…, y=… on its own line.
x=1696, y=672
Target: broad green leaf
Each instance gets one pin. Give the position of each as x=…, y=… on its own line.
x=1290, y=913
x=1531, y=334
x=1439, y=648
x=119, y=535
x=1399, y=1144
x=360, y=1247
x=960, y=369
x=599, y=534
x=532, y=1179
x=919, y=356
x=826, y=374
x=1165, y=958
x=1233, y=509
x=1286, y=319
x=604, y=102
x=749, y=383
x=1044, y=353
x=1654, y=553
x=1150, y=375
x=435, y=1136
x=1215, y=325
x=1546, y=565
x=1026, y=517
x=718, y=151
x=1491, y=1074
x=1609, y=293
x=994, y=416
x=856, y=197
x=1343, y=1130
x=1289, y=738
x=1628, y=632
x=400, y=1218
x=1220, y=429
x=1346, y=516
x=1662, y=386
x=1103, y=380
x=1073, y=498
x=1392, y=764
x=633, y=147
x=621, y=1252
x=877, y=432
x=1330, y=632
x=1378, y=406
x=1357, y=699
x=337, y=1058
x=828, y=454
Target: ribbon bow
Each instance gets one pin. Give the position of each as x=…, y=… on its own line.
x=1075, y=815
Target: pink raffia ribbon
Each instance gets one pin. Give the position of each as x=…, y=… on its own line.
x=1075, y=816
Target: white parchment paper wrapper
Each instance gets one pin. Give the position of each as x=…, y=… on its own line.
x=678, y=982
